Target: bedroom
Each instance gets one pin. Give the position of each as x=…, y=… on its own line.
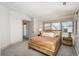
x=45, y=21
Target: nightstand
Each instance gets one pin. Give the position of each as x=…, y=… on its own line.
x=68, y=41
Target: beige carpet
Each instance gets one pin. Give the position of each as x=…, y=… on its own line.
x=21, y=49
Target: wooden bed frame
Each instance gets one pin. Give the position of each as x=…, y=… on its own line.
x=43, y=49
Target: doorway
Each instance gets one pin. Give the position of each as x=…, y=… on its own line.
x=25, y=29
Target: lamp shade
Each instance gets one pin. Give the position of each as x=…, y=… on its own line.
x=70, y=30
x=40, y=29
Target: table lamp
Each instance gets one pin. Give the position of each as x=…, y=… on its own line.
x=40, y=30
x=69, y=31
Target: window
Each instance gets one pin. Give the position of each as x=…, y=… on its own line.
x=56, y=26
x=47, y=26
x=67, y=26
x=52, y=26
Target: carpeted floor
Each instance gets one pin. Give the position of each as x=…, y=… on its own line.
x=21, y=49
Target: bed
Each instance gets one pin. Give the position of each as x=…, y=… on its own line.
x=45, y=44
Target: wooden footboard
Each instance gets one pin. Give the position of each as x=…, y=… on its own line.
x=44, y=49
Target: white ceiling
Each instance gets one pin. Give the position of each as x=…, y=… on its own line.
x=50, y=9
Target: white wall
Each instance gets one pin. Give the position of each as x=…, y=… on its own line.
x=16, y=26
x=40, y=23
x=4, y=27
x=10, y=26
x=35, y=26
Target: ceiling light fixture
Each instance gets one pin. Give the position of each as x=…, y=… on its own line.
x=64, y=3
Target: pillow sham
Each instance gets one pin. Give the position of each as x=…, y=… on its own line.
x=49, y=34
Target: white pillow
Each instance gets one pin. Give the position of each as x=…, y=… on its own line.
x=49, y=34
